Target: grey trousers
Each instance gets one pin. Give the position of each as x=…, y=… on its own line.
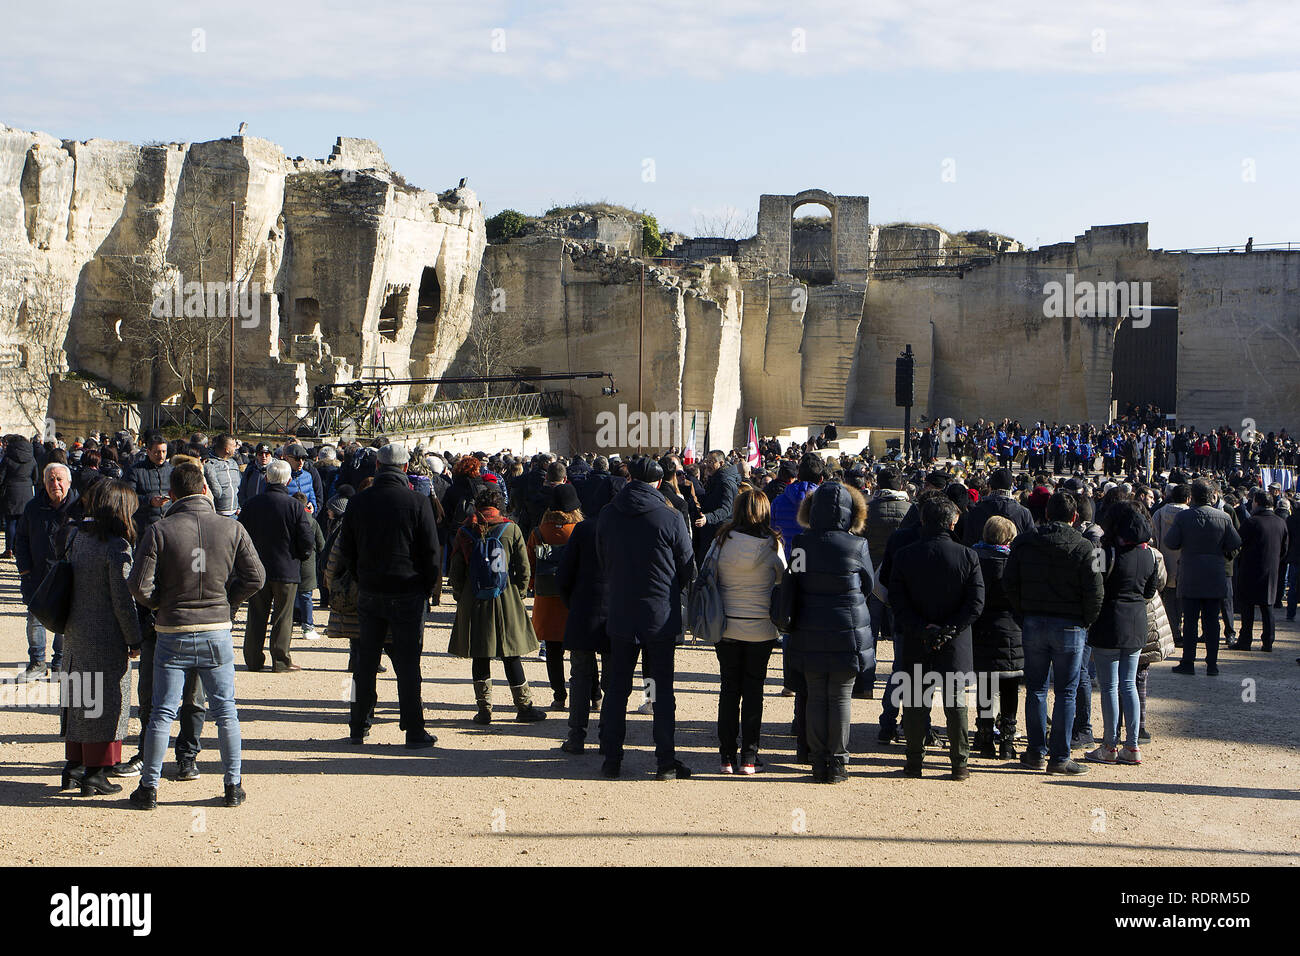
x=830, y=707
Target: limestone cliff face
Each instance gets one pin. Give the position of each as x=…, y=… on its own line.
x=579, y=309
x=347, y=268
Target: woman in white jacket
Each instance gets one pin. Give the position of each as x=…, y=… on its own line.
x=750, y=562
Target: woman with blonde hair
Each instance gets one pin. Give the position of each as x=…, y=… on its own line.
x=750, y=562
x=996, y=644
x=545, y=544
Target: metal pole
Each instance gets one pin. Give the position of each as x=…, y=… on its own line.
x=640, y=352
x=230, y=398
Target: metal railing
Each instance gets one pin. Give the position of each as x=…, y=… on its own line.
x=320, y=421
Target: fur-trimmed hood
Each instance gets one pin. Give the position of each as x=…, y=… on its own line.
x=834, y=507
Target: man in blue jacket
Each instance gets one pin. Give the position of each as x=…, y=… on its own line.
x=647, y=557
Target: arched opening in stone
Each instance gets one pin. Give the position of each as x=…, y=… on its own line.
x=428, y=309
x=390, y=316
x=812, y=243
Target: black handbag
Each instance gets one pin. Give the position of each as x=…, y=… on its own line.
x=782, y=608
x=52, y=602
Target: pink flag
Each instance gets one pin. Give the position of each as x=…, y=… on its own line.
x=753, y=457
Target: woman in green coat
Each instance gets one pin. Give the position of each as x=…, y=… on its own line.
x=493, y=627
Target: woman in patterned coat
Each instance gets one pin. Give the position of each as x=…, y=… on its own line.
x=101, y=639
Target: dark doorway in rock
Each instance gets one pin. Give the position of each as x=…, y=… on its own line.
x=1144, y=363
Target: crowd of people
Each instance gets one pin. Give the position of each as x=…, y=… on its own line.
x=993, y=579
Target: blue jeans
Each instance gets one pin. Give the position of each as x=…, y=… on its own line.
x=302, y=608
x=1117, y=677
x=1055, y=643
x=212, y=654
x=1083, y=696
x=36, y=643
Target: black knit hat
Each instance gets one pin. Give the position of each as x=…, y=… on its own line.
x=564, y=498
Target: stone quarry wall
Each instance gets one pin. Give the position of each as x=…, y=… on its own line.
x=580, y=308
x=1239, y=340
x=335, y=246
x=360, y=275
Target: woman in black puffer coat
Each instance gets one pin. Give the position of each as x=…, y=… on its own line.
x=17, y=485
x=1119, y=634
x=999, y=656
x=831, y=638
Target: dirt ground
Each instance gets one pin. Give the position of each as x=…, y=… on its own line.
x=1218, y=785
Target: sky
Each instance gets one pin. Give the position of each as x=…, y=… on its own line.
x=1014, y=116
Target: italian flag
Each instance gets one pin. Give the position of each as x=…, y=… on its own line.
x=688, y=453
x=753, y=457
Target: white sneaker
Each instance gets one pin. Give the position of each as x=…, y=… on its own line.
x=310, y=634
x=1102, y=754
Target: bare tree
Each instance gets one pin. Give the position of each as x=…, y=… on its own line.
x=498, y=335
x=180, y=340
x=726, y=222
x=43, y=315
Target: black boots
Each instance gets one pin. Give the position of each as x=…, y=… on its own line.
x=144, y=798
x=95, y=781
x=1007, y=738
x=984, y=738
x=72, y=774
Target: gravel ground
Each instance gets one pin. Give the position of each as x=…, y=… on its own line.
x=1217, y=785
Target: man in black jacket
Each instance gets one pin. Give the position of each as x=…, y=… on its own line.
x=1263, y=545
x=647, y=558
x=722, y=484
x=282, y=533
x=1053, y=579
x=998, y=502
x=389, y=544
x=53, y=509
x=936, y=590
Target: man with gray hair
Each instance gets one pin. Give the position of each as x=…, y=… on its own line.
x=36, y=548
x=282, y=534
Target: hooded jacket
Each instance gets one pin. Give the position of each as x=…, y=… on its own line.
x=18, y=475
x=884, y=516
x=833, y=576
x=647, y=558
x=1051, y=572
x=1131, y=579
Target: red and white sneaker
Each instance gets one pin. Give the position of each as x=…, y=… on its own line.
x=1129, y=755
x=749, y=769
x=728, y=767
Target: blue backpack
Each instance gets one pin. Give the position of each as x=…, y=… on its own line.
x=489, y=565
